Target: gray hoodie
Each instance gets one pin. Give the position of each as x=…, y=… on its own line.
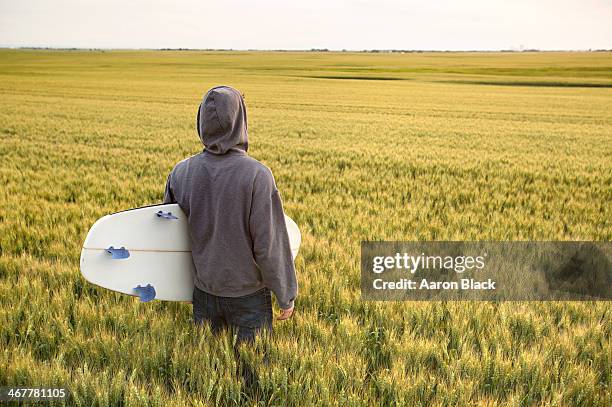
x=239, y=239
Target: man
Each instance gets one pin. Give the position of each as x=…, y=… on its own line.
x=239, y=239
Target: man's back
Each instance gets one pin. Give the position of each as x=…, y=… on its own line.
x=238, y=233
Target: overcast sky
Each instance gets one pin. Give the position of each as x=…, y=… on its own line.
x=305, y=24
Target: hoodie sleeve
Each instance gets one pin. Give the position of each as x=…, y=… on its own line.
x=270, y=240
x=168, y=194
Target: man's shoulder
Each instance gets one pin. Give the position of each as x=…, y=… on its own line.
x=181, y=165
x=263, y=177
x=261, y=173
x=255, y=165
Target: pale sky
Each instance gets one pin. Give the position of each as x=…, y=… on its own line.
x=305, y=24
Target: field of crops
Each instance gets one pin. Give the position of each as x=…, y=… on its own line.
x=415, y=146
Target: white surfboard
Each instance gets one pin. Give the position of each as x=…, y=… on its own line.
x=148, y=245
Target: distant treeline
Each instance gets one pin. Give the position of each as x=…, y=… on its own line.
x=416, y=51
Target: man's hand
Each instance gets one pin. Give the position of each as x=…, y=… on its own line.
x=285, y=314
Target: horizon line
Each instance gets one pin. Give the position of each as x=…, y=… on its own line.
x=373, y=50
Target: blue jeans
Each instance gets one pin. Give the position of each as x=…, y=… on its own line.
x=245, y=316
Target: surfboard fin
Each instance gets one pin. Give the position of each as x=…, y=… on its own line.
x=165, y=215
x=146, y=294
x=121, y=253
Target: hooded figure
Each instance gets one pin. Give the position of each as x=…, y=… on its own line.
x=239, y=240
x=222, y=121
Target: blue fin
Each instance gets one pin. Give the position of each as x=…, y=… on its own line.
x=165, y=215
x=121, y=253
x=146, y=294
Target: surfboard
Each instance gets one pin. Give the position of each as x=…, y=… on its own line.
x=147, y=252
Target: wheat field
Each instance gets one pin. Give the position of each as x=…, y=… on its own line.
x=364, y=146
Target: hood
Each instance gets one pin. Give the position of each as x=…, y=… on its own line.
x=222, y=120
